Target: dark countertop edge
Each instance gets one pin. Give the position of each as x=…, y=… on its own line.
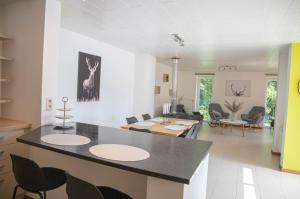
x=115, y=165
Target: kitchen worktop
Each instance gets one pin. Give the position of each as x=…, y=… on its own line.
x=171, y=158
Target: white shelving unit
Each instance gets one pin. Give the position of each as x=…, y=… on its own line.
x=4, y=59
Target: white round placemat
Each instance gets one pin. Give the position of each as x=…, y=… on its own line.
x=157, y=119
x=65, y=139
x=175, y=127
x=119, y=152
x=184, y=122
x=144, y=124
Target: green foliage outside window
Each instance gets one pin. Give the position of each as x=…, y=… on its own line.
x=205, y=95
x=271, y=101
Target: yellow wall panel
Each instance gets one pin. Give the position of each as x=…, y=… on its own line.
x=291, y=159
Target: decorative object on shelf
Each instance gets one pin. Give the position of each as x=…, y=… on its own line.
x=238, y=88
x=165, y=77
x=5, y=58
x=64, y=117
x=3, y=37
x=89, y=70
x=4, y=101
x=227, y=68
x=234, y=108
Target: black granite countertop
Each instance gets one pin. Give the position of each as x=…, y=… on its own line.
x=171, y=158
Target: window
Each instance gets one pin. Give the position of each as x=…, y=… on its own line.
x=271, y=94
x=204, y=95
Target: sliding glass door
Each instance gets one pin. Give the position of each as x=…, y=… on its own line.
x=204, y=95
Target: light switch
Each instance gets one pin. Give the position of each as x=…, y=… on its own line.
x=49, y=104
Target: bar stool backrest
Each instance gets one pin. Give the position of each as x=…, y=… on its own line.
x=27, y=173
x=79, y=189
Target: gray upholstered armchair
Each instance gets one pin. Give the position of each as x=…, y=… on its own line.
x=216, y=112
x=255, y=116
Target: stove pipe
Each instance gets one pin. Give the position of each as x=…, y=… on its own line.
x=174, y=84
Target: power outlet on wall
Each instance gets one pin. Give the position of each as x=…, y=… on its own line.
x=49, y=104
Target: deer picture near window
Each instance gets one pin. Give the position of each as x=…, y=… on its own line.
x=88, y=86
x=237, y=92
x=238, y=88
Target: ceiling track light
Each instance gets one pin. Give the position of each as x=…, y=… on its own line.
x=177, y=39
x=227, y=68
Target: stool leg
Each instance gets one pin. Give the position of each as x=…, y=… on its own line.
x=44, y=194
x=15, y=192
x=40, y=194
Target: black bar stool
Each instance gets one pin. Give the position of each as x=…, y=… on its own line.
x=34, y=179
x=79, y=189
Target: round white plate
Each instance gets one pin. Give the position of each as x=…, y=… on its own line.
x=65, y=139
x=67, y=124
x=61, y=109
x=175, y=127
x=64, y=117
x=184, y=123
x=158, y=119
x=144, y=123
x=119, y=152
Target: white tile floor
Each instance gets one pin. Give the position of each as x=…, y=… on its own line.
x=243, y=167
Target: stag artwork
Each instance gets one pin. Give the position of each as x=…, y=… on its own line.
x=88, y=86
x=238, y=88
x=237, y=92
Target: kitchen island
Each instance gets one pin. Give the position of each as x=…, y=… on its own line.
x=176, y=168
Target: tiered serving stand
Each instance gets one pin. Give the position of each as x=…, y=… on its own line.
x=65, y=123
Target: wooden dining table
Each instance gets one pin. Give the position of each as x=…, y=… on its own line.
x=159, y=127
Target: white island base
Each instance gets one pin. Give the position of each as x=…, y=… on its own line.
x=138, y=186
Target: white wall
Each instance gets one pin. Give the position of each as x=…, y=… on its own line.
x=116, y=84
x=163, y=97
x=144, y=85
x=24, y=21
x=50, y=58
x=187, y=83
x=258, y=89
x=282, y=99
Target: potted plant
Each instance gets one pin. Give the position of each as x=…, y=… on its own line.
x=233, y=107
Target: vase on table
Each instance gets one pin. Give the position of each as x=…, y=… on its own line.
x=232, y=116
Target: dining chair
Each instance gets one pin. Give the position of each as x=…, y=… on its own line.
x=131, y=120
x=32, y=178
x=79, y=189
x=146, y=116
x=140, y=130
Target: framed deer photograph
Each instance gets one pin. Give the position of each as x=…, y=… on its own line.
x=89, y=71
x=238, y=88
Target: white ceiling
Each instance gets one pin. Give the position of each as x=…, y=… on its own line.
x=246, y=33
